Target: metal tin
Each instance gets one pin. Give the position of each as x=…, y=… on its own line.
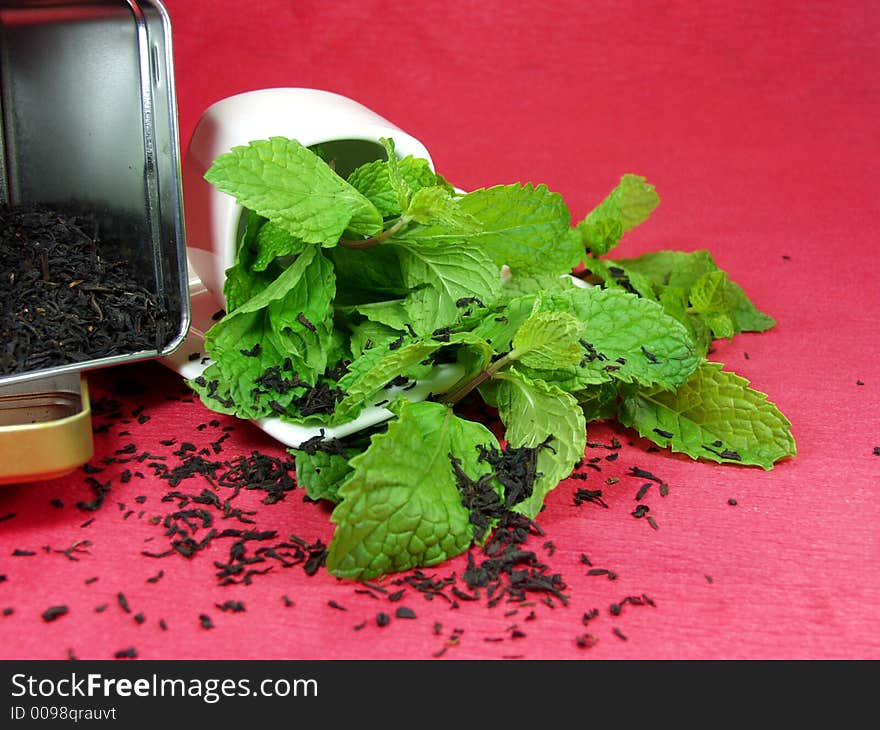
x=45, y=428
x=89, y=123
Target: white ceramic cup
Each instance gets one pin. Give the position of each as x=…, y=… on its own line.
x=310, y=116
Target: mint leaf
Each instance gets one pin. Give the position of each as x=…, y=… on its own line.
x=284, y=181
x=242, y=282
x=628, y=339
x=227, y=385
x=682, y=271
x=437, y=204
x=366, y=275
x=369, y=335
x=302, y=320
x=625, y=207
x=598, y=402
x=521, y=284
x=720, y=324
x=674, y=300
x=291, y=318
x=744, y=315
x=525, y=227
x=438, y=277
x=624, y=338
x=402, y=189
x=707, y=292
x=708, y=298
x=274, y=242
x=321, y=473
x=536, y=413
x=374, y=370
x=714, y=416
x=670, y=268
x=401, y=507
x=614, y=274
x=373, y=181
x=599, y=236
x=371, y=373
x=501, y=326
x=547, y=341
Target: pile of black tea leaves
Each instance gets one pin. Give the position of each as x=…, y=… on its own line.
x=62, y=300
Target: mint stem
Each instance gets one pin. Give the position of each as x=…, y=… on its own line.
x=456, y=395
x=378, y=238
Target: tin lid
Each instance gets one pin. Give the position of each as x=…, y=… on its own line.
x=45, y=428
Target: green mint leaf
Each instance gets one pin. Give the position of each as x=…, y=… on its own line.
x=438, y=276
x=548, y=341
x=437, y=204
x=624, y=338
x=442, y=276
x=724, y=307
x=401, y=507
x=535, y=413
x=525, y=227
x=242, y=346
x=707, y=293
x=682, y=271
x=228, y=384
x=720, y=324
x=744, y=315
x=521, y=284
x=613, y=274
x=287, y=183
x=601, y=235
x=242, y=282
x=710, y=297
x=369, y=375
x=499, y=327
x=598, y=402
x=373, y=181
x=369, y=335
x=632, y=201
x=399, y=185
x=625, y=207
x=286, y=281
x=714, y=416
x=674, y=300
x=275, y=242
x=366, y=275
x=302, y=320
x=628, y=339
x=670, y=268
x=290, y=318
x=321, y=473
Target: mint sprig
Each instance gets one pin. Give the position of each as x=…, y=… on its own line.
x=401, y=507
x=344, y=292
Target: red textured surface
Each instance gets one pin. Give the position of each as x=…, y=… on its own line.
x=757, y=124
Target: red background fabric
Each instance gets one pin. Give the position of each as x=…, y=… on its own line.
x=757, y=123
